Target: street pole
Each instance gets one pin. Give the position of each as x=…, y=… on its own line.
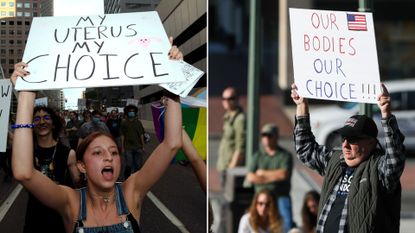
x=365, y=6
x=253, y=81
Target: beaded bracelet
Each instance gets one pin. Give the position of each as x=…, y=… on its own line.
x=18, y=126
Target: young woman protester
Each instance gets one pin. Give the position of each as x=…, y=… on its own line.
x=103, y=205
x=262, y=215
x=54, y=160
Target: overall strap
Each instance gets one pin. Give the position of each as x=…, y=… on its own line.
x=82, y=211
x=121, y=205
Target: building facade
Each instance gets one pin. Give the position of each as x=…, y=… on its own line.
x=185, y=21
x=15, y=20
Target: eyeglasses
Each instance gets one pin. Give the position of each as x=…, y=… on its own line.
x=228, y=98
x=268, y=135
x=263, y=203
x=37, y=119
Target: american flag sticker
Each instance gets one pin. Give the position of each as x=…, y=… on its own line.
x=356, y=22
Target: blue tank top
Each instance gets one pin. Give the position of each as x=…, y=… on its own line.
x=129, y=226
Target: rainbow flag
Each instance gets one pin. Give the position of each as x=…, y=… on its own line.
x=194, y=123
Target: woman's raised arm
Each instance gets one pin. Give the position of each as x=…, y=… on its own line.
x=47, y=191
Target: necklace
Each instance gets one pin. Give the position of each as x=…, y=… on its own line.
x=44, y=164
x=106, y=198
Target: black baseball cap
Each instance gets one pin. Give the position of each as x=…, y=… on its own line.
x=359, y=126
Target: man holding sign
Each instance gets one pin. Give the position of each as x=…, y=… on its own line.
x=361, y=190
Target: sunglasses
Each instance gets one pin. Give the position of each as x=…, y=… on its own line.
x=228, y=98
x=351, y=140
x=263, y=203
x=267, y=135
x=39, y=118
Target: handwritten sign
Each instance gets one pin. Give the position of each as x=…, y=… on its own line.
x=192, y=75
x=41, y=101
x=97, y=51
x=334, y=55
x=6, y=92
x=132, y=102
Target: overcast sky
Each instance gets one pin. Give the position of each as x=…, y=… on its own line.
x=74, y=8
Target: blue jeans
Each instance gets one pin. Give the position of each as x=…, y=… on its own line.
x=285, y=209
x=134, y=159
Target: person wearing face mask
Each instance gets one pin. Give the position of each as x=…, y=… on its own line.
x=132, y=140
x=95, y=125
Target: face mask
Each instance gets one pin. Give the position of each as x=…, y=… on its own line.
x=96, y=119
x=131, y=114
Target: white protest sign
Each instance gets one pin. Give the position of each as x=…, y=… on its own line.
x=334, y=55
x=6, y=91
x=97, y=51
x=41, y=101
x=132, y=102
x=192, y=75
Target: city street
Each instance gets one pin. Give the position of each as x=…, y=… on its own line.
x=175, y=204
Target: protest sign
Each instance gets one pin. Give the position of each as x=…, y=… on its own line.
x=192, y=75
x=6, y=92
x=97, y=51
x=132, y=102
x=334, y=55
x=41, y=101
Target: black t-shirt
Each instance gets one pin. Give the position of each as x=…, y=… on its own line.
x=53, y=164
x=333, y=218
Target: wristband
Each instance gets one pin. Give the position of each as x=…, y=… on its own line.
x=18, y=126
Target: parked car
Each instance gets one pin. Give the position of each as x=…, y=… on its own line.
x=326, y=120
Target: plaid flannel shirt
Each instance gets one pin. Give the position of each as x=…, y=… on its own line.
x=316, y=157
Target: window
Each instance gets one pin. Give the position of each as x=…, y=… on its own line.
x=27, y=14
x=19, y=5
x=410, y=102
x=3, y=32
x=2, y=41
x=11, y=22
x=11, y=51
x=3, y=22
x=11, y=4
x=27, y=5
x=3, y=13
x=11, y=13
x=19, y=41
x=19, y=14
x=3, y=51
x=11, y=32
x=3, y=61
x=27, y=23
x=11, y=41
x=396, y=101
x=11, y=61
x=19, y=22
x=34, y=14
x=19, y=51
x=19, y=32
x=34, y=5
x=3, y=3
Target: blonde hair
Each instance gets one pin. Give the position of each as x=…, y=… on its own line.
x=273, y=221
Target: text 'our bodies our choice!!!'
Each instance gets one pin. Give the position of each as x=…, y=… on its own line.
x=328, y=64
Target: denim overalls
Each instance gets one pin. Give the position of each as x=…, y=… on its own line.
x=129, y=226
